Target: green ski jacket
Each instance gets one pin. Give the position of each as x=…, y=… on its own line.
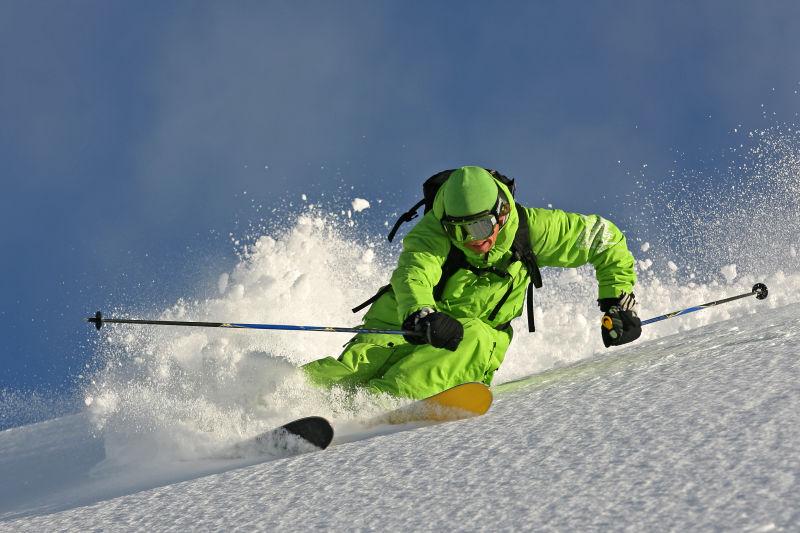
x=559, y=239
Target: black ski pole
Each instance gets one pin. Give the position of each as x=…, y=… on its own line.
x=98, y=320
x=759, y=291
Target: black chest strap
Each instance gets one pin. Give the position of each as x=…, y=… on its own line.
x=523, y=251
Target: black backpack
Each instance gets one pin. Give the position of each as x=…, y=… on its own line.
x=522, y=248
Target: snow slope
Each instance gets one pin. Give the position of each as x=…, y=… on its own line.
x=697, y=430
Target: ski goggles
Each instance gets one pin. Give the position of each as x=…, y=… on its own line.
x=477, y=227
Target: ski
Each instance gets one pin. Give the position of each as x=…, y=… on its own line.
x=315, y=433
x=303, y=435
x=456, y=403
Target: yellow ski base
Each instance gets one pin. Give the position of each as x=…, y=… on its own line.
x=459, y=402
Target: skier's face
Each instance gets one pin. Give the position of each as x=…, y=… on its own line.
x=483, y=246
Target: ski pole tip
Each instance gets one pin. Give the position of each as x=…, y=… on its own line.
x=760, y=291
x=97, y=319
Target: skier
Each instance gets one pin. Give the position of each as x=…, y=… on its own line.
x=462, y=333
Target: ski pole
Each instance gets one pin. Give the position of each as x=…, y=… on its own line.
x=98, y=320
x=759, y=291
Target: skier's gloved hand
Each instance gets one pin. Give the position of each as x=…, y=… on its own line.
x=620, y=323
x=434, y=328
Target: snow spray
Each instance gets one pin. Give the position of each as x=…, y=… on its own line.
x=184, y=393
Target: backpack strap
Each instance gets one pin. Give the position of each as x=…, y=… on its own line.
x=455, y=260
x=383, y=290
x=408, y=216
x=429, y=190
x=523, y=251
x=523, y=248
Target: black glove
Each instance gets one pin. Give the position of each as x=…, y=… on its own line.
x=434, y=328
x=620, y=323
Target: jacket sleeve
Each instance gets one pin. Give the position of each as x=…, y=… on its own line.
x=563, y=239
x=419, y=267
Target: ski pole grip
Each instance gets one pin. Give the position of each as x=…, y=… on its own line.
x=607, y=322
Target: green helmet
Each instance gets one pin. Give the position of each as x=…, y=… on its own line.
x=474, y=205
x=469, y=190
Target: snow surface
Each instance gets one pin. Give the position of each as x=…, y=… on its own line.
x=694, y=431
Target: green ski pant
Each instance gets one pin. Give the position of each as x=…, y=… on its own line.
x=389, y=364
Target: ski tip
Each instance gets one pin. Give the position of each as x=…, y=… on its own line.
x=315, y=430
x=760, y=291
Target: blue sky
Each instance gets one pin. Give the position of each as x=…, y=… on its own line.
x=131, y=130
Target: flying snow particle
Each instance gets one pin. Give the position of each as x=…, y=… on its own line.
x=359, y=204
x=672, y=266
x=729, y=271
x=222, y=282
x=304, y=197
x=645, y=246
